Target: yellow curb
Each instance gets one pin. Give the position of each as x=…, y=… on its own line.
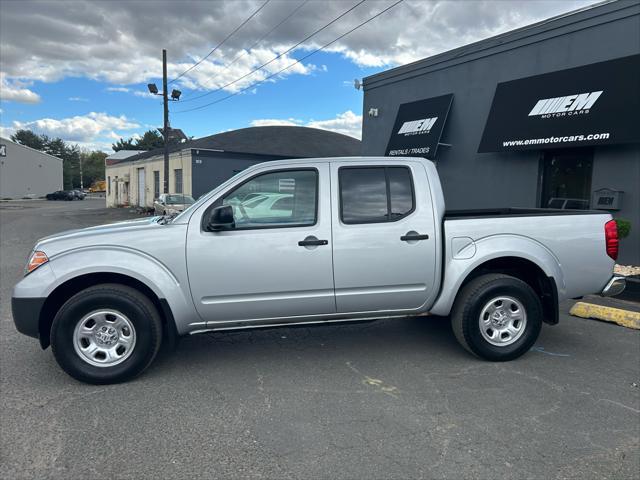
x=618, y=316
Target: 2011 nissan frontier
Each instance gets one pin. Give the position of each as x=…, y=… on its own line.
x=310, y=242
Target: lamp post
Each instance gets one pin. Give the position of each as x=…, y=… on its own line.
x=175, y=96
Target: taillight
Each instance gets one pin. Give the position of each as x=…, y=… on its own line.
x=37, y=258
x=611, y=238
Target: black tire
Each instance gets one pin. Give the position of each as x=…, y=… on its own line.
x=465, y=316
x=139, y=310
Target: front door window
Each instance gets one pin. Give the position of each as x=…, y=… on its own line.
x=278, y=199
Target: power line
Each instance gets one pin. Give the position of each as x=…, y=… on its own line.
x=222, y=42
x=285, y=52
x=294, y=63
x=247, y=50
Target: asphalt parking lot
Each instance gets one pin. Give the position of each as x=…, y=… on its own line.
x=389, y=399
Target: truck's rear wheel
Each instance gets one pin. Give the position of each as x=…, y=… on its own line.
x=497, y=317
x=107, y=333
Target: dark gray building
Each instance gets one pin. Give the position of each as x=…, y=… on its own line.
x=27, y=173
x=197, y=166
x=543, y=116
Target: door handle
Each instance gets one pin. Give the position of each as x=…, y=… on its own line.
x=413, y=236
x=312, y=242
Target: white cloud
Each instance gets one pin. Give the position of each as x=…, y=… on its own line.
x=347, y=123
x=143, y=94
x=14, y=91
x=264, y=122
x=93, y=131
x=6, y=132
x=83, y=129
x=117, y=42
x=138, y=93
x=78, y=99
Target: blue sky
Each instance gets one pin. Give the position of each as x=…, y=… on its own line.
x=79, y=69
x=318, y=95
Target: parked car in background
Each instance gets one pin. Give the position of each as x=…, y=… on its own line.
x=352, y=239
x=262, y=205
x=61, y=195
x=79, y=194
x=171, y=203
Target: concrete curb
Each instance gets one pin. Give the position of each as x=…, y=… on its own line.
x=625, y=318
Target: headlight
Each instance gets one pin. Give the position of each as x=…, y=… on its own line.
x=36, y=259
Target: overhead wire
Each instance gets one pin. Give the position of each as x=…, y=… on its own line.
x=222, y=42
x=294, y=63
x=285, y=52
x=248, y=49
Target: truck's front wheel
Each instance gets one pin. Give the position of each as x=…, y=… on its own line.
x=107, y=333
x=497, y=317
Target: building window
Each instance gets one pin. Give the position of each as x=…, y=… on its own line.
x=375, y=194
x=178, y=180
x=156, y=184
x=116, y=182
x=566, y=179
x=108, y=185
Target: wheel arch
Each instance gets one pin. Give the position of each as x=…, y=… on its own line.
x=70, y=287
x=530, y=273
x=519, y=257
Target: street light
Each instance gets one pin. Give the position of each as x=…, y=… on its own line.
x=153, y=89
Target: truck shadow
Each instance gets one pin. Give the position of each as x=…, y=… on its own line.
x=430, y=336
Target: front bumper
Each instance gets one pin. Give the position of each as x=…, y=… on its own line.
x=614, y=287
x=26, y=314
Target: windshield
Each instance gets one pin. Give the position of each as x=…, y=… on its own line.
x=179, y=200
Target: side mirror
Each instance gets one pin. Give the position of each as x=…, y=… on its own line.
x=221, y=218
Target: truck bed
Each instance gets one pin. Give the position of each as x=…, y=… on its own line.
x=515, y=212
x=575, y=239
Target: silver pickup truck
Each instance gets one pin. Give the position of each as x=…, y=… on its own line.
x=311, y=241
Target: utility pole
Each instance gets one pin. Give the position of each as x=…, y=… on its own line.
x=81, y=182
x=175, y=96
x=165, y=99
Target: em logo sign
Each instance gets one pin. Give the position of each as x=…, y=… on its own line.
x=415, y=127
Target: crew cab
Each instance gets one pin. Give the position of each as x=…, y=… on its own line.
x=310, y=241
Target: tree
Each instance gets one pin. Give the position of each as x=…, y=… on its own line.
x=30, y=139
x=123, y=145
x=93, y=168
x=70, y=165
x=150, y=141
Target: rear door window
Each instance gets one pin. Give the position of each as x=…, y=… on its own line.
x=375, y=194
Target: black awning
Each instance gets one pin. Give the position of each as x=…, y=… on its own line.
x=418, y=127
x=596, y=104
